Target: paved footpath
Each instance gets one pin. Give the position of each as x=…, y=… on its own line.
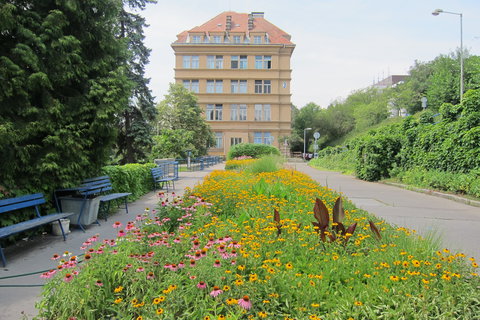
x=34, y=255
x=456, y=224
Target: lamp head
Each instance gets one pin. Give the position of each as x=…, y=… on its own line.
x=436, y=12
x=308, y=129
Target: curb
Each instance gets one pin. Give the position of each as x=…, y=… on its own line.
x=452, y=197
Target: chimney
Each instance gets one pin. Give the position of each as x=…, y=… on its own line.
x=250, y=21
x=228, y=25
x=258, y=14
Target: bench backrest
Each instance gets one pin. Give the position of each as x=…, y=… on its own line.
x=31, y=200
x=95, y=185
x=157, y=173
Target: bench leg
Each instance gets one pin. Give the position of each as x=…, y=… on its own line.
x=126, y=205
x=4, y=261
x=63, y=231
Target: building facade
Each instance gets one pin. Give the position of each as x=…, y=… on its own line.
x=238, y=65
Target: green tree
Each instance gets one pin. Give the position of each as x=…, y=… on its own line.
x=135, y=125
x=62, y=84
x=181, y=124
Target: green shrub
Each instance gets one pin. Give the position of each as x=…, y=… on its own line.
x=253, y=150
x=135, y=178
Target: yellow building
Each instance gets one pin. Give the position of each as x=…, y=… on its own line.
x=238, y=65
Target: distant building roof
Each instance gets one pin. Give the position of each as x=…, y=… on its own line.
x=232, y=22
x=390, y=81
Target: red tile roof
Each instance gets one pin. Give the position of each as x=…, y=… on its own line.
x=239, y=24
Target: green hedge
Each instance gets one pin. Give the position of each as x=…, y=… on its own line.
x=135, y=178
x=253, y=150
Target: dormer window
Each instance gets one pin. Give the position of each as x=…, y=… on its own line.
x=217, y=39
x=196, y=39
x=237, y=39
x=257, y=39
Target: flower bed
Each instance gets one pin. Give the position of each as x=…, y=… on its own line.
x=223, y=253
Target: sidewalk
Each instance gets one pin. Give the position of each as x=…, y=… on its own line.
x=456, y=224
x=34, y=255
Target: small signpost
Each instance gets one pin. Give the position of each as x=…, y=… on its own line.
x=424, y=103
x=316, y=135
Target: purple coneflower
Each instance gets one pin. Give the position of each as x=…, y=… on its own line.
x=245, y=303
x=216, y=291
x=217, y=264
x=201, y=285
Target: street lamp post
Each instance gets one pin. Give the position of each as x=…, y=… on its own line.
x=436, y=12
x=305, y=141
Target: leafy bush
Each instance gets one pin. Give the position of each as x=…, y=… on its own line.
x=253, y=150
x=135, y=178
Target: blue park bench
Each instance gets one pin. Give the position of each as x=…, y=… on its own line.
x=161, y=179
x=24, y=202
x=93, y=187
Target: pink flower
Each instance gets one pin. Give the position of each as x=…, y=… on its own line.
x=68, y=277
x=245, y=303
x=99, y=283
x=217, y=264
x=141, y=269
x=150, y=275
x=121, y=233
x=216, y=291
x=181, y=265
x=117, y=224
x=201, y=285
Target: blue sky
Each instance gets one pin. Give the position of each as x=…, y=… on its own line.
x=341, y=45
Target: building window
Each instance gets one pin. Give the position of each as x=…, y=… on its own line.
x=234, y=112
x=239, y=62
x=214, y=112
x=215, y=62
x=262, y=138
x=214, y=86
x=238, y=112
x=257, y=39
x=196, y=39
x=217, y=39
x=263, y=62
x=234, y=141
x=190, y=62
x=191, y=85
x=242, y=114
x=218, y=140
x=237, y=39
x=239, y=86
x=263, y=86
x=262, y=112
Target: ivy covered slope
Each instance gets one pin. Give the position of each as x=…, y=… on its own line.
x=439, y=150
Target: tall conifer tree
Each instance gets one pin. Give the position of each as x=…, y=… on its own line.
x=135, y=124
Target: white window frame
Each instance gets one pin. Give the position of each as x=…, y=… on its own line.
x=242, y=112
x=219, y=140
x=215, y=62
x=234, y=141
x=257, y=39
x=210, y=112
x=260, y=137
x=234, y=112
x=263, y=86
x=196, y=39
x=190, y=62
x=263, y=62
x=238, y=86
x=214, y=86
x=192, y=85
x=217, y=39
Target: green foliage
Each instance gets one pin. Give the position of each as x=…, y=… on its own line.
x=133, y=177
x=181, y=126
x=270, y=163
x=445, y=149
x=62, y=88
x=135, y=124
x=253, y=150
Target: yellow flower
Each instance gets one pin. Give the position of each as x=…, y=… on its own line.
x=139, y=318
x=226, y=288
x=206, y=318
x=358, y=303
x=238, y=282
x=262, y=314
x=253, y=277
x=394, y=278
x=118, y=289
x=315, y=305
x=118, y=300
x=425, y=281
x=231, y=301
x=221, y=317
x=159, y=311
